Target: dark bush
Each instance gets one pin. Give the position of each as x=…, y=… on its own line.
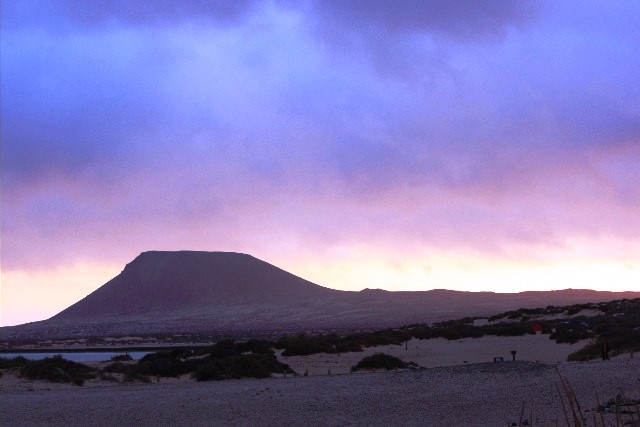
x=570, y=333
x=303, y=345
x=589, y=352
x=348, y=347
x=132, y=372
x=422, y=332
x=385, y=337
x=121, y=358
x=497, y=317
x=165, y=364
x=618, y=325
x=240, y=366
x=181, y=353
x=224, y=360
x=455, y=330
x=16, y=362
x=57, y=369
x=256, y=347
x=380, y=361
x=510, y=329
x=224, y=348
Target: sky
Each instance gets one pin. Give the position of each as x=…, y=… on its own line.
x=402, y=145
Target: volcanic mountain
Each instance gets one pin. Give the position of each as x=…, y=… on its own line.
x=224, y=292
x=176, y=281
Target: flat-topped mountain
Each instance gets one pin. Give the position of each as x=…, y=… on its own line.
x=186, y=280
x=232, y=293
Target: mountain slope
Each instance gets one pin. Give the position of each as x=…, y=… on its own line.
x=169, y=281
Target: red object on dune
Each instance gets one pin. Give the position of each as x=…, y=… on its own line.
x=537, y=327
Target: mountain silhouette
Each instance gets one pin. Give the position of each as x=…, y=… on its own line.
x=166, y=281
x=233, y=293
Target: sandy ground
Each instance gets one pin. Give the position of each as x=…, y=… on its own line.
x=472, y=394
x=441, y=352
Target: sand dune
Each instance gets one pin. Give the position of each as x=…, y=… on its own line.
x=489, y=394
x=441, y=352
x=472, y=394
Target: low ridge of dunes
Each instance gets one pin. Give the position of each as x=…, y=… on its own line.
x=232, y=293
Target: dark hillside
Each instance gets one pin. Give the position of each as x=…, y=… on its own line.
x=165, y=281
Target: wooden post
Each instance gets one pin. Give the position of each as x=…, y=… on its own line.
x=605, y=351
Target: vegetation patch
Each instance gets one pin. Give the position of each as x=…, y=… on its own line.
x=240, y=366
x=303, y=345
x=224, y=360
x=122, y=358
x=381, y=361
x=172, y=363
x=59, y=370
x=16, y=362
x=614, y=323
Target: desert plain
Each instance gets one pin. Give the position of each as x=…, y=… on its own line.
x=457, y=382
x=459, y=385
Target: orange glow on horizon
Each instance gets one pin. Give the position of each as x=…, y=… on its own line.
x=475, y=275
x=32, y=296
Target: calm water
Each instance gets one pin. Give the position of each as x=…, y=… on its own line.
x=76, y=357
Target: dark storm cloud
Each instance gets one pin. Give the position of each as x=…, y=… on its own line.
x=452, y=121
x=59, y=14
x=458, y=18
x=127, y=11
x=68, y=104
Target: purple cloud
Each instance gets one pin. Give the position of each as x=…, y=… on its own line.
x=131, y=125
x=465, y=19
x=67, y=14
